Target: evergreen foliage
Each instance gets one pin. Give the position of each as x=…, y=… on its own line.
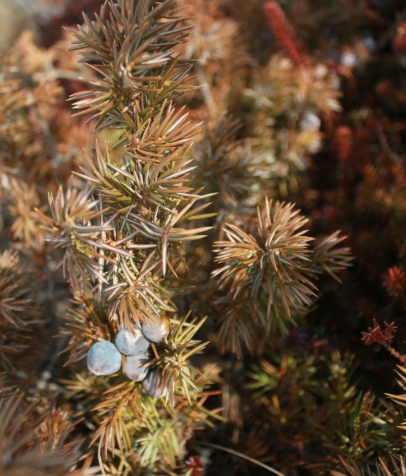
x=202, y=251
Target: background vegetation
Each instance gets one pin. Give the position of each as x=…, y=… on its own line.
x=226, y=181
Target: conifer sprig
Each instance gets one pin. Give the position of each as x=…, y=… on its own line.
x=173, y=360
x=21, y=448
x=132, y=45
x=224, y=163
x=269, y=267
x=131, y=234
x=124, y=234
x=270, y=262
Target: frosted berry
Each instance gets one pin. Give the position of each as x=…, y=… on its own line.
x=131, y=343
x=310, y=122
x=133, y=367
x=153, y=384
x=156, y=331
x=103, y=358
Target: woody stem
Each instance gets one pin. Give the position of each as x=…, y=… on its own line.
x=394, y=352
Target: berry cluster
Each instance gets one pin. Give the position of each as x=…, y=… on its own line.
x=106, y=358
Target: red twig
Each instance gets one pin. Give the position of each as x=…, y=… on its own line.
x=285, y=33
x=383, y=337
x=343, y=139
x=395, y=353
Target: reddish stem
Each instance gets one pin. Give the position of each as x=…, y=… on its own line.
x=285, y=33
x=394, y=352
